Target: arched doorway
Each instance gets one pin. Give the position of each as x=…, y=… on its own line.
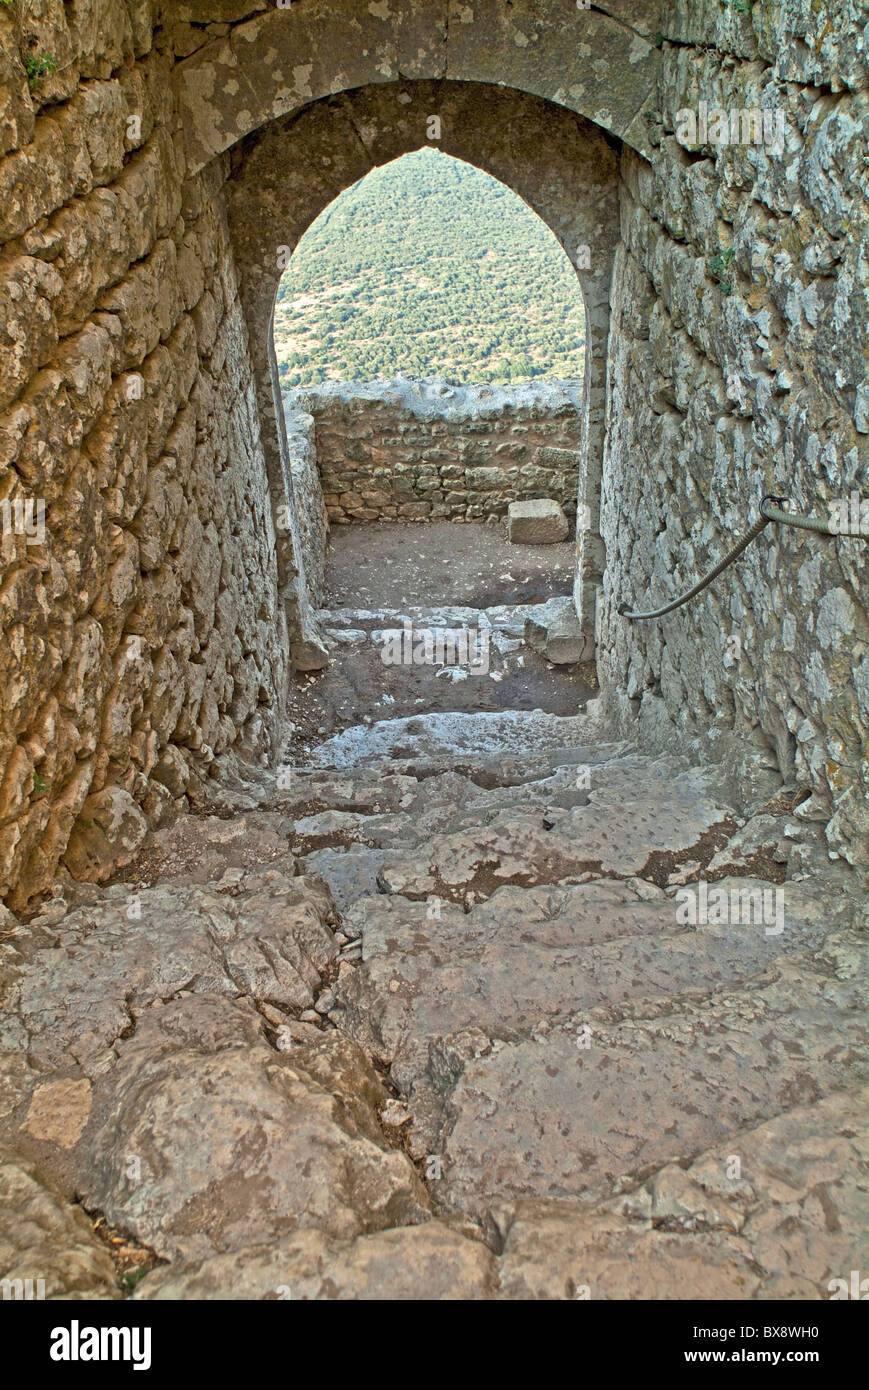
x=427, y=300
x=283, y=175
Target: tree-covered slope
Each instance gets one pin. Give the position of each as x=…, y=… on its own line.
x=428, y=266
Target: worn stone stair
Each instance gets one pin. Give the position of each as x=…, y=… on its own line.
x=426, y=1019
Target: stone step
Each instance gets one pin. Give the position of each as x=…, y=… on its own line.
x=769, y=1229
x=509, y=618
x=451, y=833
x=434, y=799
x=455, y=738
x=506, y=1027
x=550, y=1118
x=442, y=999
x=612, y=817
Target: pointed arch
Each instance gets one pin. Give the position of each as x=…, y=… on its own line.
x=283, y=176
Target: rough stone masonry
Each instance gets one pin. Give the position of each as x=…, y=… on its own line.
x=425, y=450
x=143, y=214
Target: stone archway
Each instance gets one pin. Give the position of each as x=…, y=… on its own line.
x=602, y=63
x=285, y=174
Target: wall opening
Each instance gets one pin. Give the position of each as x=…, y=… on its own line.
x=286, y=174
x=430, y=267
x=430, y=345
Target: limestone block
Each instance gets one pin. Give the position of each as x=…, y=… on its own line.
x=16, y=109
x=484, y=479
x=304, y=1150
x=427, y=1262
x=29, y=331
x=537, y=522
x=554, y=630
x=35, y=180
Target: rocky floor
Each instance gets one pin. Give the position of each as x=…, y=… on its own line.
x=504, y=672
x=423, y=1018
x=493, y=587
x=470, y=563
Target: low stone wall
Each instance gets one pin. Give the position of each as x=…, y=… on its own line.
x=425, y=451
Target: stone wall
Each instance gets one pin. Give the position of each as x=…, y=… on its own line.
x=139, y=632
x=736, y=367
x=427, y=451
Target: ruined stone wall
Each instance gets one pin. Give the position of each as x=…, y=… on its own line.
x=139, y=635
x=737, y=367
x=427, y=451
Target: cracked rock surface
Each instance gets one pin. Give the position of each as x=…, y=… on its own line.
x=442, y=1023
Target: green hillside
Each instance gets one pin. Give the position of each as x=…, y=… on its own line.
x=428, y=266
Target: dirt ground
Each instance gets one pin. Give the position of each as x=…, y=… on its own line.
x=432, y=565
x=390, y=564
